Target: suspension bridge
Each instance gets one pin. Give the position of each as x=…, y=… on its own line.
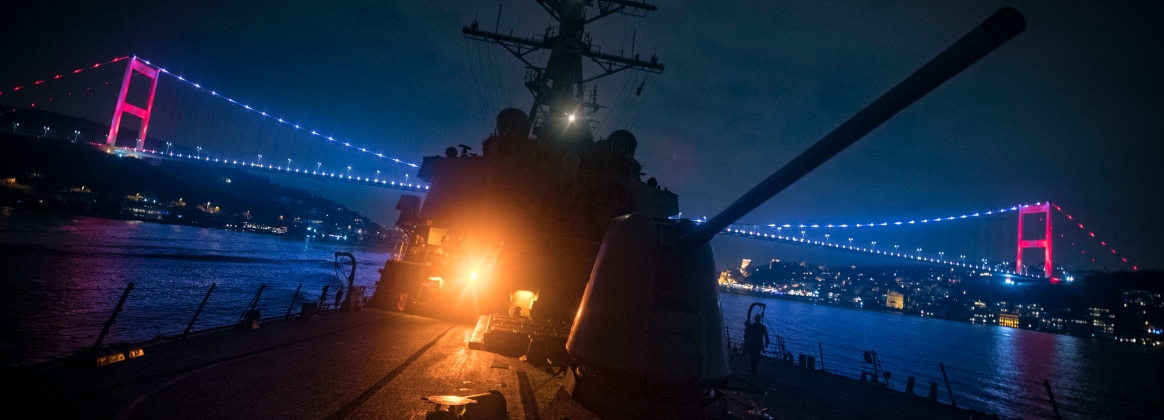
x=975, y=241
x=184, y=120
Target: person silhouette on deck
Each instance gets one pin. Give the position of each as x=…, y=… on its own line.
x=755, y=340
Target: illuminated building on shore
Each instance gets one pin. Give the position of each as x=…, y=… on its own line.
x=894, y=300
x=1008, y=320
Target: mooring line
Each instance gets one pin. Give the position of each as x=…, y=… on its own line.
x=351, y=407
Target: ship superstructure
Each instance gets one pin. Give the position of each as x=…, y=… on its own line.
x=519, y=224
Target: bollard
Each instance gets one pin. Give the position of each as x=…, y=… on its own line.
x=933, y=395
x=199, y=310
x=810, y=363
x=909, y=386
x=113, y=316
x=293, y=297
x=309, y=311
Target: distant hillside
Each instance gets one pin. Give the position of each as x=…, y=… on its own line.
x=32, y=122
x=58, y=175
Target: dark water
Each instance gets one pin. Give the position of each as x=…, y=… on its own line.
x=993, y=369
x=61, y=275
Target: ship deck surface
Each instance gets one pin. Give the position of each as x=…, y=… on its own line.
x=376, y=364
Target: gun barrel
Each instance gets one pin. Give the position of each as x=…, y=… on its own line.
x=999, y=28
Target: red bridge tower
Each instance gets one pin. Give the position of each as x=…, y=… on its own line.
x=135, y=65
x=1045, y=243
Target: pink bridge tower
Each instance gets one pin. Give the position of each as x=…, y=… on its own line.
x=1045, y=243
x=135, y=65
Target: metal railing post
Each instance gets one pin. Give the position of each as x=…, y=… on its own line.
x=1054, y=406
x=323, y=296
x=293, y=298
x=948, y=391
x=254, y=302
x=113, y=316
x=821, y=350
x=199, y=310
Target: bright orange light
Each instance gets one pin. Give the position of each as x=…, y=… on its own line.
x=476, y=271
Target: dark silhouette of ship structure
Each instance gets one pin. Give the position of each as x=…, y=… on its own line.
x=520, y=223
x=547, y=221
x=550, y=240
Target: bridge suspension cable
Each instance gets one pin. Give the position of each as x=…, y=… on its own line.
x=900, y=221
x=950, y=244
x=862, y=249
x=1083, y=252
x=1102, y=243
x=192, y=125
x=62, y=75
x=281, y=121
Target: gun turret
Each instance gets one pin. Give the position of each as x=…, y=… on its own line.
x=648, y=338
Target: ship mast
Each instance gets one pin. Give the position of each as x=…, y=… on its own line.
x=559, y=87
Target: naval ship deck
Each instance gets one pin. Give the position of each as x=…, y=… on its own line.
x=375, y=364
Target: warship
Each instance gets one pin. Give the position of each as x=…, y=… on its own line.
x=519, y=224
x=553, y=244
x=549, y=221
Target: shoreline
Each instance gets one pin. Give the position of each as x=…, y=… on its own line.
x=112, y=187
x=816, y=301
x=121, y=217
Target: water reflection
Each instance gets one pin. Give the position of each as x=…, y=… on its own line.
x=63, y=275
x=993, y=369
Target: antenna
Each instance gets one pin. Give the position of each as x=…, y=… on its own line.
x=559, y=87
x=497, y=26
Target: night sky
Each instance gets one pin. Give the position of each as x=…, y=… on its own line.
x=1070, y=111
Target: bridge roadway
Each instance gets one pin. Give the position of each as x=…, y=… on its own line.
x=752, y=234
x=375, y=364
x=273, y=169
